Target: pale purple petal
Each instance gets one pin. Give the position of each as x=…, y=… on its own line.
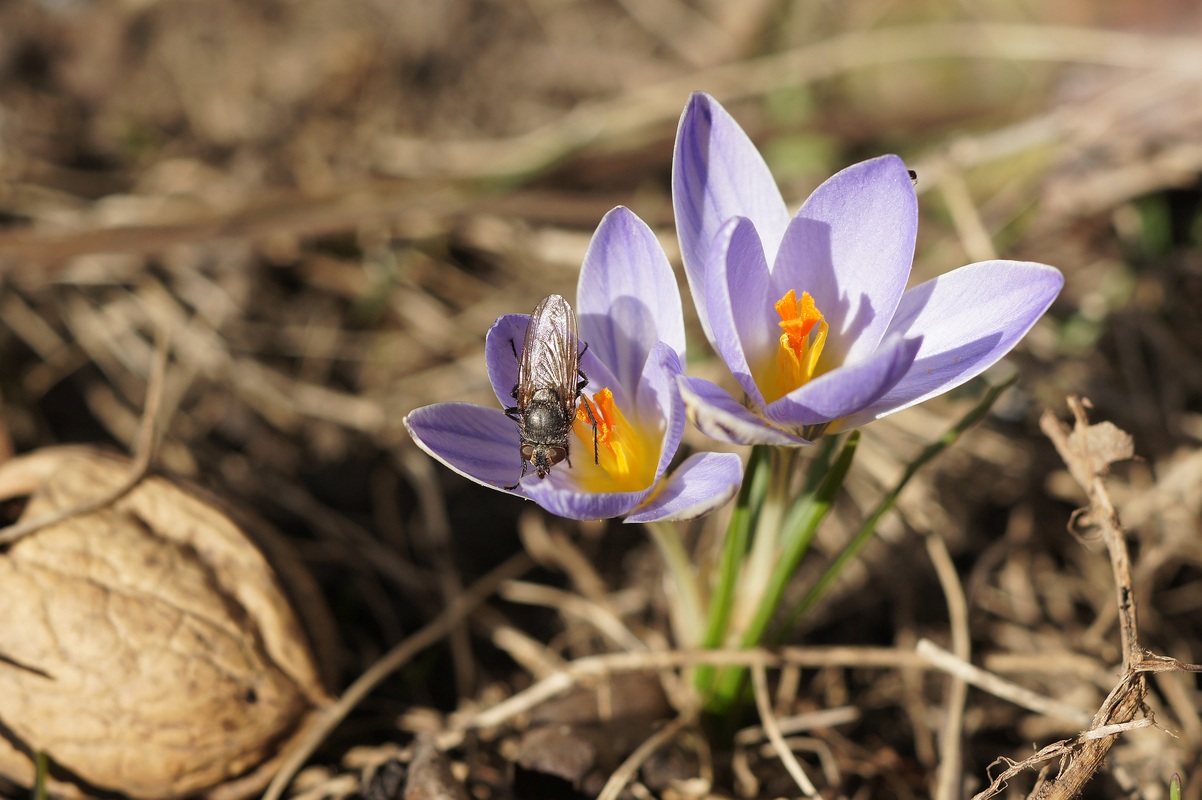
x=968, y=319
x=477, y=442
x=659, y=401
x=481, y=444
x=558, y=498
x=851, y=247
x=736, y=294
x=599, y=377
x=847, y=389
x=626, y=298
x=501, y=347
x=701, y=484
x=719, y=416
x=717, y=173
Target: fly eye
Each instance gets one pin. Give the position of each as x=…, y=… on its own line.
x=556, y=454
x=528, y=452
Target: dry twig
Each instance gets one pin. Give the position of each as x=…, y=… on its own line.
x=143, y=454
x=763, y=703
x=393, y=660
x=1088, y=451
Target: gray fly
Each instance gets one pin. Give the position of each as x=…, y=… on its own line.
x=548, y=387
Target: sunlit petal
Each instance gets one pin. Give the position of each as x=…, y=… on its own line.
x=627, y=298
x=968, y=319
x=851, y=247
x=717, y=173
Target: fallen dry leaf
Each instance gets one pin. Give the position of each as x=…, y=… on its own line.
x=147, y=647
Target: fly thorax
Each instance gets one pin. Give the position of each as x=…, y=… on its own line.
x=543, y=419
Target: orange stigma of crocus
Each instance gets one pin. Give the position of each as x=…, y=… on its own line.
x=801, y=343
x=622, y=448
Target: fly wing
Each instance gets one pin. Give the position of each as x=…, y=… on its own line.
x=551, y=352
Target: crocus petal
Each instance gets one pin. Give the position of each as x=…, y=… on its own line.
x=847, y=389
x=968, y=319
x=851, y=247
x=702, y=483
x=479, y=443
x=502, y=346
x=627, y=298
x=719, y=416
x=659, y=399
x=717, y=173
x=599, y=377
x=742, y=324
x=554, y=494
x=503, y=364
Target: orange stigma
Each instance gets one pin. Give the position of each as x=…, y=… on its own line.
x=805, y=331
x=627, y=455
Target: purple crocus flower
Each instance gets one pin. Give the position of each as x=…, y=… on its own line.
x=630, y=315
x=811, y=313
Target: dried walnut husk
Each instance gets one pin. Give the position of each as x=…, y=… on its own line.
x=147, y=647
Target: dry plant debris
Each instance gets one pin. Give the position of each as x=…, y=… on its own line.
x=1089, y=450
x=148, y=647
x=214, y=168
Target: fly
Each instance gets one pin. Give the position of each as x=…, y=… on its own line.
x=548, y=387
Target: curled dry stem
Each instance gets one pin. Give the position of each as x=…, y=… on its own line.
x=1088, y=450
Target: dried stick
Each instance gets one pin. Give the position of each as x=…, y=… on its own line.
x=144, y=451
x=626, y=770
x=999, y=687
x=759, y=681
x=393, y=660
x=947, y=786
x=1088, y=451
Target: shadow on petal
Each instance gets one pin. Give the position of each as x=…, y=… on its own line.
x=702, y=483
x=719, y=416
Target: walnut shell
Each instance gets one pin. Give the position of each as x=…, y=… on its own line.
x=147, y=648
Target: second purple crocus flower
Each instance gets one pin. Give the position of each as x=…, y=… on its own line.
x=811, y=312
x=630, y=315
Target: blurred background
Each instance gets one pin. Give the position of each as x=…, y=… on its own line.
x=326, y=203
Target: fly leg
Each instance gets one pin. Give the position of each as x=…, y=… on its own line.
x=514, y=393
x=519, y=480
x=588, y=409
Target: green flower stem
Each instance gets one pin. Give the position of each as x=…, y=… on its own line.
x=765, y=547
x=796, y=533
x=688, y=610
x=864, y=535
x=734, y=550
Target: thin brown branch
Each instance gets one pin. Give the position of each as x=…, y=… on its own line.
x=950, y=759
x=394, y=659
x=627, y=769
x=1088, y=451
x=763, y=703
x=144, y=450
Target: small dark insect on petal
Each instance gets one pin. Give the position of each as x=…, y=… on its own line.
x=548, y=387
x=913, y=176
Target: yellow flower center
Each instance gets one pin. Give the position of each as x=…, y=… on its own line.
x=801, y=344
x=627, y=454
